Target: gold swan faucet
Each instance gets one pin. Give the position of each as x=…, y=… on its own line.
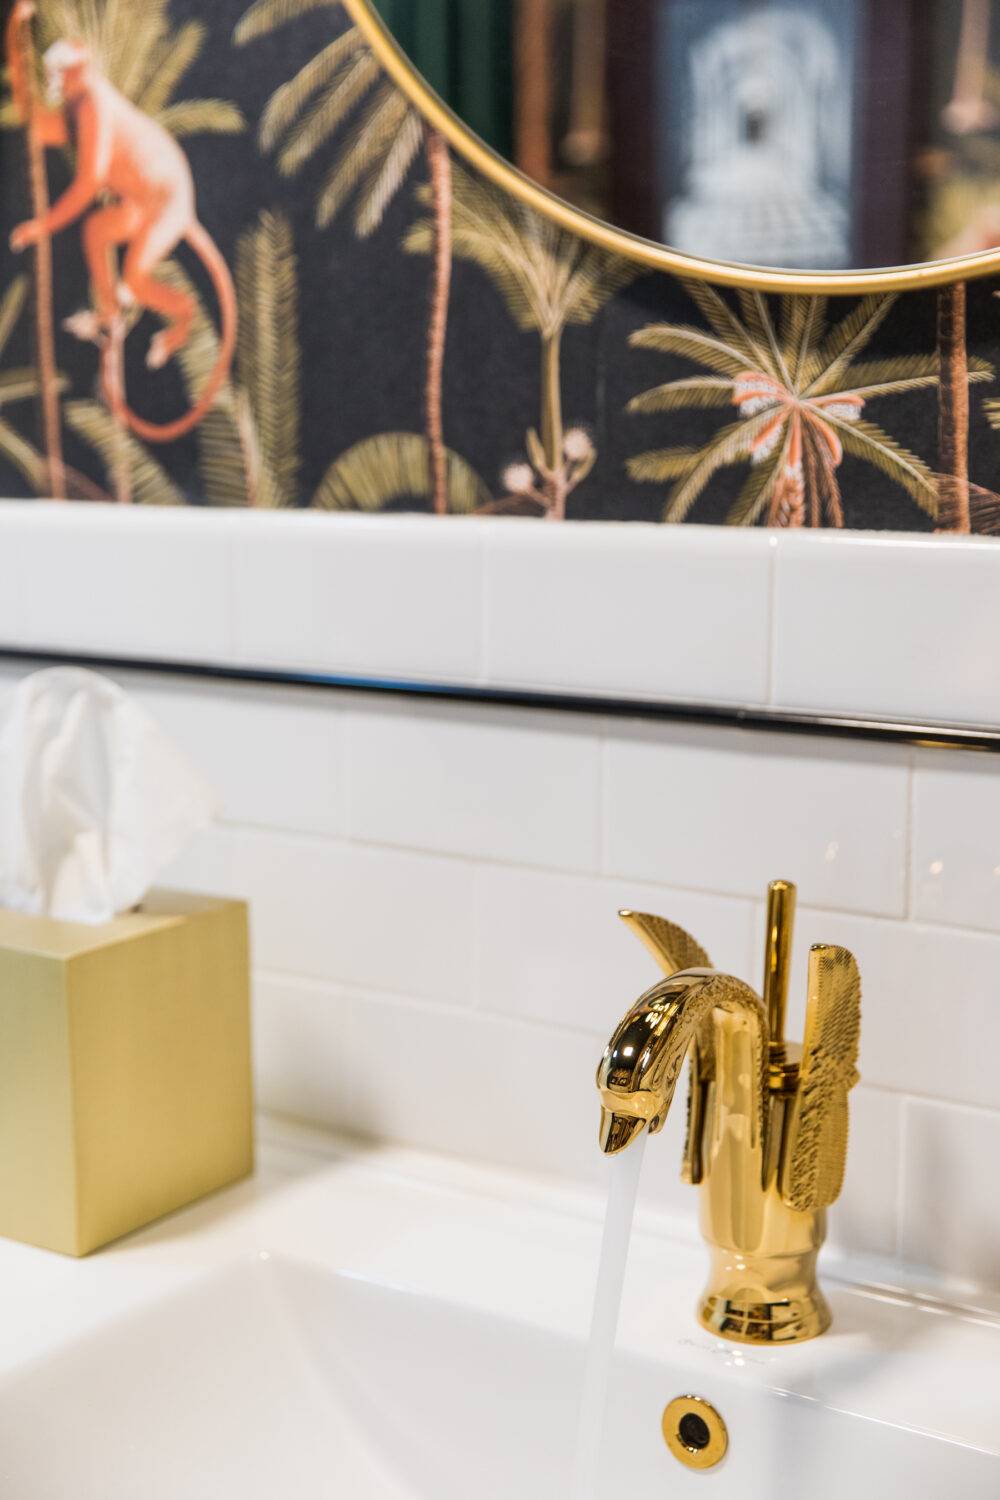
x=767, y=1119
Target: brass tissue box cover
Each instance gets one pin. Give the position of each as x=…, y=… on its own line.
x=124, y=1067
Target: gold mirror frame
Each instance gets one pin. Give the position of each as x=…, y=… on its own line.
x=621, y=241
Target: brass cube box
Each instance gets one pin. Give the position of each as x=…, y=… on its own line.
x=125, y=1085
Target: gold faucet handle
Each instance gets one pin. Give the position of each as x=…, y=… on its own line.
x=815, y=1151
x=672, y=947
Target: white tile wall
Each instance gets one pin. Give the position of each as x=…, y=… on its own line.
x=896, y=626
x=872, y=625
x=438, y=957
x=727, y=810
x=683, y=615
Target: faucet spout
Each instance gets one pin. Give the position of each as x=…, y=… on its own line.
x=716, y=1016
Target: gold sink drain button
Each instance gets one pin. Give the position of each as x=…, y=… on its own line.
x=694, y=1432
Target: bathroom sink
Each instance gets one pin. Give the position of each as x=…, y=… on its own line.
x=272, y=1377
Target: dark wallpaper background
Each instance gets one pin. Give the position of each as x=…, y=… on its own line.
x=363, y=309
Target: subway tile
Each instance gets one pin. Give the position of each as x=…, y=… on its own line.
x=390, y=596
x=274, y=755
x=956, y=838
x=864, y=1218
x=880, y=625
x=126, y=582
x=379, y=918
x=930, y=1003
x=649, y=611
x=472, y=1085
x=727, y=811
x=300, y=1033
x=14, y=580
x=551, y=948
x=951, y=1207
x=486, y=783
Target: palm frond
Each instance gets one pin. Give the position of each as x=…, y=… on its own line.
x=729, y=446
x=547, y=278
x=992, y=411
x=387, y=176
x=20, y=384
x=866, y=440
x=698, y=391
x=719, y=316
x=167, y=67
x=202, y=117
x=19, y=452
x=757, y=487
x=662, y=464
x=11, y=307
x=803, y=322
x=379, y=124
x=268, y=352
x=692, y=343
x=265, y=16
x=317, y=124
x=92, y=422
x=825, y=366
x=391, y=467
x=288, y=101
x=757, y=318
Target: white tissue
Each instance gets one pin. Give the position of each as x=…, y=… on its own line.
x=94, y=799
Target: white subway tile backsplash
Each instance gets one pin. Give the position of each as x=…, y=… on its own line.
x=886, y=626
x=105, y=580
x=864, y=1218
x=930, y=1003
x=727, y=811
x=509, y=785
x=950, y=1201
x=389, y=596
x=475, y=1085
x=435, y=886
x=374, y=917
x=956, y=839
x=300, y=1049
x=685, y=615
x=551, y=947
x=274, y=755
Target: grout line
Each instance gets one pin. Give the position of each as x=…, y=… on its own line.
x=485, y=611
x=908, y=871
x=346, y=842
x=772, y=619
x=901, y=1171
x=355, y=990
x=604, y=799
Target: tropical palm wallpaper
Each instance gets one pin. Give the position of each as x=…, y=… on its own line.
x=271, y=284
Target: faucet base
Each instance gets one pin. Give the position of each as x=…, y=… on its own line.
x=764, y=1299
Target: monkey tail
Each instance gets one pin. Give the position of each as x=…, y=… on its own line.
x=205, y=248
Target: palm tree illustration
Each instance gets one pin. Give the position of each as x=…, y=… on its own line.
x=146, y=58
x=24, y=383
x=548, y=280
x=953, y=409
x=19, y=384
x=801, y=395
x=343, y=81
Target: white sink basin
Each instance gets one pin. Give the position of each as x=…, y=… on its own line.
x=261, y=1373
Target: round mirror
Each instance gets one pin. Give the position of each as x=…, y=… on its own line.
x=792, y=139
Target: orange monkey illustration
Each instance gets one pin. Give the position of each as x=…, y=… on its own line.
x=136, y=182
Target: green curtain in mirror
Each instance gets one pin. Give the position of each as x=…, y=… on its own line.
x=463, y=49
